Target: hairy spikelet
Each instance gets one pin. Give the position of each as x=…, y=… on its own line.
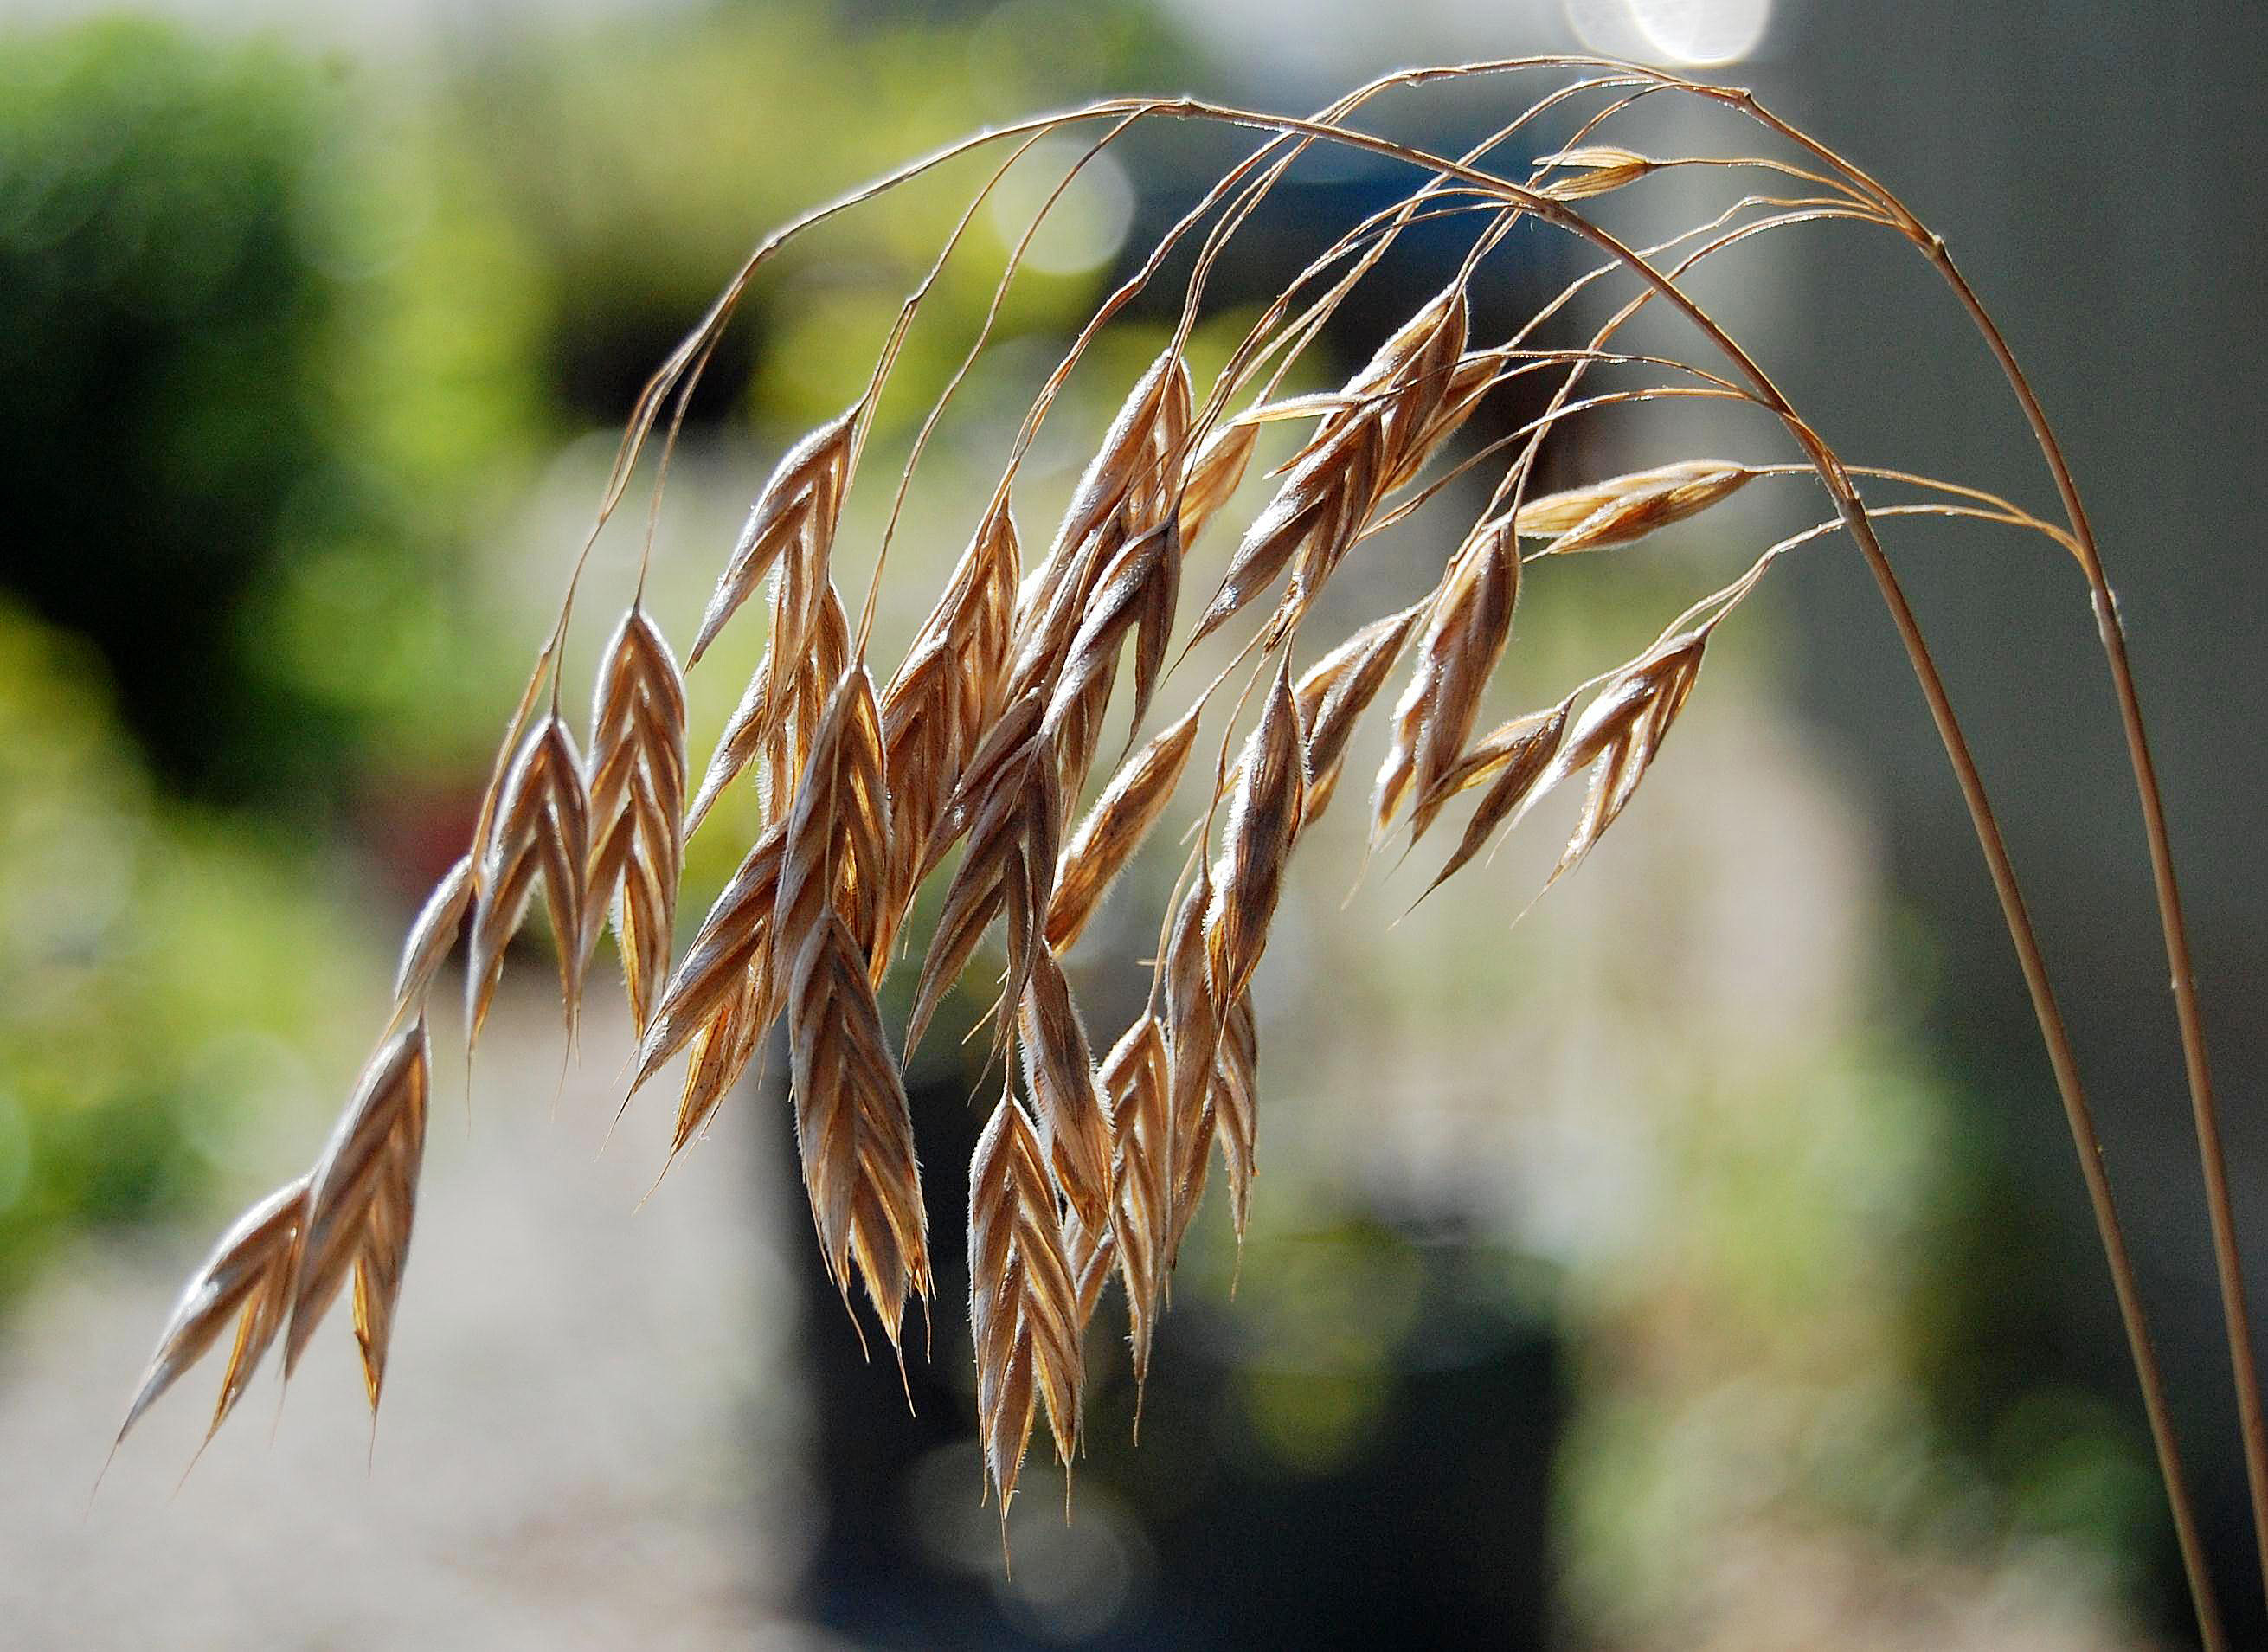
x=1008, y=800
x=1136, y=1081
x=1618, y=736
x=362, y=1199
x=636, y=786
x=1593, y=169
x=1316, y=516
x=1519, y=755
x=1265, y=805
x=722, y=1047
x=806, y=674
x=1059, y=1072
x=1212, y=475
x=1625, y=509
x=1465, y=637
x=249, y=1277
x=792, y=525
x=736, y=746
x=1114, y=828
x=1023, y=1302
x=833, y=858
x=1192, y=1020
x=432, y=933
x=1235, y=1105
x=1414, y=373
x=542, y=824
x=938, y=706
x=1126, y=492
x=731, y=953
x=852, y=1125
x=1136, y=594
x=1335, y=692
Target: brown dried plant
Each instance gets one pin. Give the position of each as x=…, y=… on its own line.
x=985, y=737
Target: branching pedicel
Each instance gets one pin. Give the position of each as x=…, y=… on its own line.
x=988, y=734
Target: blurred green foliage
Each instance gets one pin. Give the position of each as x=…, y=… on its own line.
x=161, y=970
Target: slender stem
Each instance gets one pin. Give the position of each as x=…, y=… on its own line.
x=2172, y=920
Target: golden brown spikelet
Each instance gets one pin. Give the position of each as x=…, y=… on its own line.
x=1235, y=1105
x=722, y=1047
x=1192, y=1020
x=1265, y=803
x=432, y=933
x=1059, y=1072
x=833, y=858
x=1465, y=636
x=1136, y=1081
x=1212, y=473
x=1023, y=1302
x=1335, y=691
x=1593, y=169
x=247, y=1277
x=1114, y=828
x=806, y=674
x=362, y=1199
x=541, y=823
x=1007, y=807
x=1519, y=755
x=1618, y=736
x=1136, y=594
x=1413, y=371
x=1127, y=490
x=731, y=952
x=1316, y=516
x=938, y=705
x=636, y=786
x=792, y=522
x=1625, y=509
x=852, y=1125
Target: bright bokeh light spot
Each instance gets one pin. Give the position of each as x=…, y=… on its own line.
x=1681, y=33
x=1087, y=223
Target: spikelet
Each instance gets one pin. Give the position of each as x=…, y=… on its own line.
x=1235, y=1105
x=1138, y=1081
x=1192, y=1025
x=1625, y=509
x=1264, y=806
x=431, y=934
x=1592, y=170
x=1114, y=828
x=636, y=788
x=1316, y=515
x=542, y=823
x=1414, y=372
x=734, y=941
x=1212, y=474
x=1008, y=801
x=1619, y=735
x=1059, y=1072
x=362, y=1199
x=936, y=708
x=852, y=1125
x=736, y=746
x=1519, y=755
x=791, y=523
x=1335, y=691
x=833, y=858
x=1023, y=1303
x=249, y=1276
x=1465, y=637
x=1127, y=490
x=805, y=674
x=1136, y=594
